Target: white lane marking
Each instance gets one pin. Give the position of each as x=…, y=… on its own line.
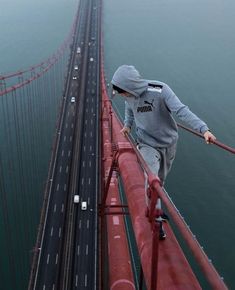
x=86, y=110
x=88, y=200
x=92, y=100
x=62, y=154
x=87, y=224
x=66, y=125
x=52, y=231
x=60, y=168
x=86, y=250
x=89, y=180
x=82, y=180
x=53, y=287
x=55, y=207
x=64, y=138
x=78, y=250
x=65, y=187
x=83, y=164
x=85, y=134
x=85, y=280
x=89, y=163
x=85, y=121
x=58, y=186
x=91, y=134
x=84, y=148
x=92, y=110
x=76, y=283
x=69, y=153
x=67, y=169
x=59, y=232
x=62, y=208
x=90, y=148
x=71, y=138
x=72, y=125
x=80, y=224
x=48, y=258
x=91, y=122
x=56, y=259
x=44, y=287
x=68, y=111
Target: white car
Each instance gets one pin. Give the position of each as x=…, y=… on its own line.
x=74, y=77
x=84, y=205
x=91, y=59
x=76, y=67
x=76, y=198
x=72, y=100
x=78, y=50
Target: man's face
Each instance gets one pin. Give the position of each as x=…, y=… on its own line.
x=126, y=94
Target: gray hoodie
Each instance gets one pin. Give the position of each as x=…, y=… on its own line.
x=150, y=105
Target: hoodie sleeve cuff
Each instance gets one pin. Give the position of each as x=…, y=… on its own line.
x=127, y=124
x=204, y=129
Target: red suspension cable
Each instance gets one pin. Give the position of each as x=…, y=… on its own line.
x=217, y=143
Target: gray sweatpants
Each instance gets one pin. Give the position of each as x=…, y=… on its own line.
x=158, y=159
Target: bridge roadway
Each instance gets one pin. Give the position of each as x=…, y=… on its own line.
x=68, y=253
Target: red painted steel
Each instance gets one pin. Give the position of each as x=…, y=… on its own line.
x=170, y=253
x=120, y=270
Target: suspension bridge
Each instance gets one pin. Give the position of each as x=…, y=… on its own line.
x=63, y=101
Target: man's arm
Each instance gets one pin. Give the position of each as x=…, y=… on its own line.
x=128, y=121
x=129, y=116
x=187, y=116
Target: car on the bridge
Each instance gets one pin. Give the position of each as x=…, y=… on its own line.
x=84, y=205
x=76, y=67
x=73, y=100
x=91, y=59
x=74, y=77
x=76, y=198
x=78, y=50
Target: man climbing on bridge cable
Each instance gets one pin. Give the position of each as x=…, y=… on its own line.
x=150, y=105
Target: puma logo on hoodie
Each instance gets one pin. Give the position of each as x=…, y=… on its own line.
x=146, y=108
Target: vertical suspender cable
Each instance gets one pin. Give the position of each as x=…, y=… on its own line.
x=20, y=194
x=10, y=266
x=26, y=158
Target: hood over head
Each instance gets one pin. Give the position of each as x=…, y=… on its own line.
x=128, y=79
